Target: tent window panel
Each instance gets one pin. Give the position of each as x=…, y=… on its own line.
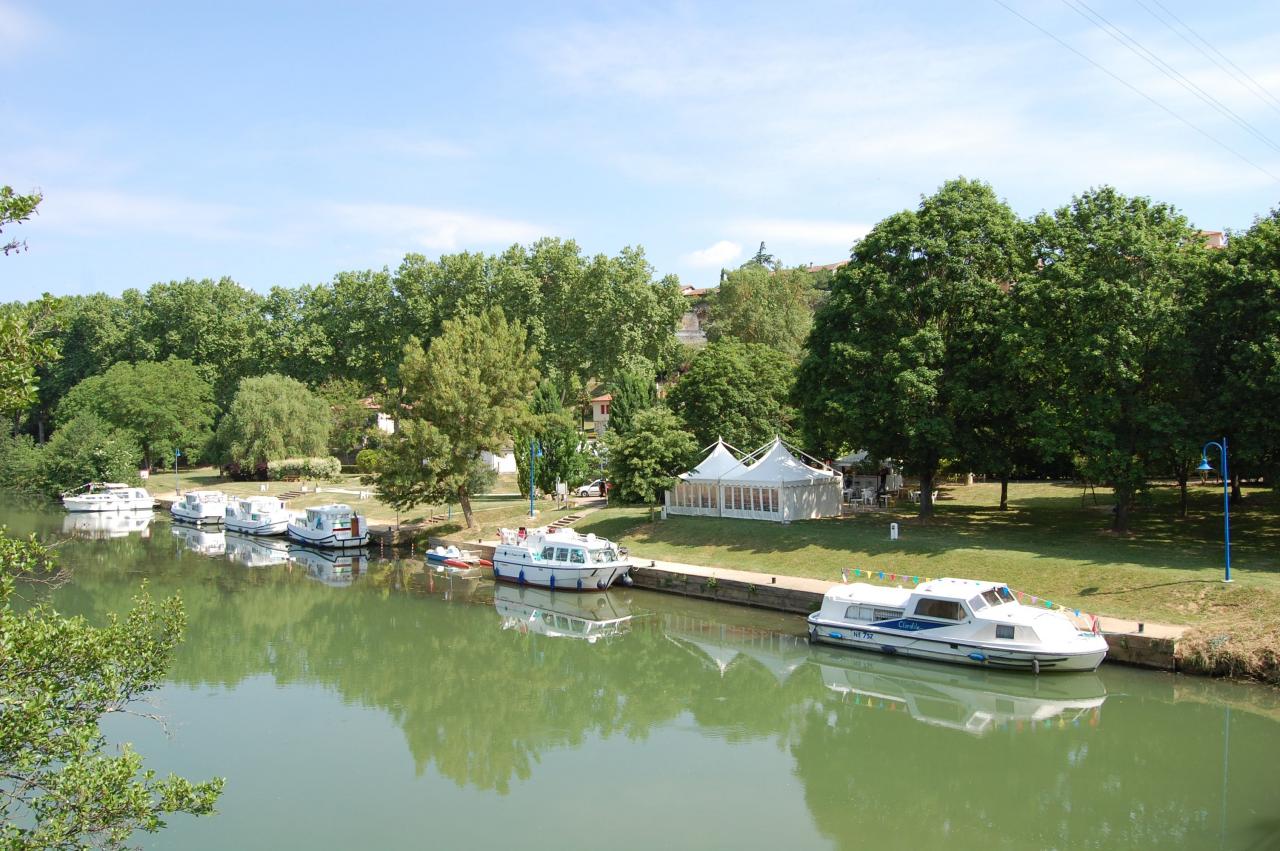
x=767, y=495
x=702, y=496
x=774, y=503
x=715, y=497
x=755, y=499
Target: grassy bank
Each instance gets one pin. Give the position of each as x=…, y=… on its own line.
x=1053, y=542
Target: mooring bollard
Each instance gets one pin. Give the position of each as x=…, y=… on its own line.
x=893, y=531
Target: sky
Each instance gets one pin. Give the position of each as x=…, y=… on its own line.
x=278, y=143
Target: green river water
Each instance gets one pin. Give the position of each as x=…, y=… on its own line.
x=380, y=706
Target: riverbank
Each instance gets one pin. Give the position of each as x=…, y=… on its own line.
x=1051, y=543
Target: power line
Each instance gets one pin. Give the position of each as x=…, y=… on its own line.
x=1139, y=92
x=1134, y=46
x=1241, y=76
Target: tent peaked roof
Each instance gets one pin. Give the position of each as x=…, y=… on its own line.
x=719, y=461
x=777, y=466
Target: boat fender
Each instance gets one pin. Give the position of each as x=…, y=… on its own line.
x=1035, y=665
x=978, y=657
x=497, y=574
x=627, y=580
x=579, y=583
x=600, y=584
x=553, y=582
x=521, y=576
x=888, y=649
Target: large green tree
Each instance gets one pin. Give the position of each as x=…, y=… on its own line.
x=272, y=417
x=62, y=784
x=738, y=391
x=559, y=439
x=87, y=449
x=22, y=351
x=761, y=304
x=888, y=363
x=632, y=392
x=467, y=394
x=1107, y=316
x=653, y=451
x=163, y=406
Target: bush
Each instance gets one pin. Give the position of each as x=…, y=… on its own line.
x=322, y=468
x=20, y=460
x=367, y=460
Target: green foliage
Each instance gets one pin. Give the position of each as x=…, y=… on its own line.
x=644, y=461
x=738, y=391
x=16, y=209
x=556, y=430
x=351, y=419
x=1106, y=319
x=271, y=418
x=324, y=468
x=632, y=393
x=367, y=461
x=88, y=449
x=21, y=353
x=61, y=785
x=888, y=367
x=469, y=393
x=21, y=464
x=162, y=406
x=761, y=304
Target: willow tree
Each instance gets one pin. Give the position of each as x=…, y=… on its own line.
x=469, y=393
x=271, y=418
x=890, y=364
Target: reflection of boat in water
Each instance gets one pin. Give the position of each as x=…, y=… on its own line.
x=332, y=567
x=561, y=614
x=256, y=551
x=107, y=524
x=206, y=542
x=964, y=699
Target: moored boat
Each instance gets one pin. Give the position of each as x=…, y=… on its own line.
x=963, y=621
x=331, y=526
x=108, y=496
x=257, y=515
x=451, y=556
x=560, y=559
x=200, y=507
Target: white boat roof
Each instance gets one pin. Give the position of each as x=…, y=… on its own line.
x=334, y=508
x=259, y=499
x=719, y=461
x=566, y=535
x=956, y=589
x=201, y=495
x=777, y=467
x=876, y=595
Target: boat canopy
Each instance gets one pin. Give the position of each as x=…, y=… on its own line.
x=861, y=592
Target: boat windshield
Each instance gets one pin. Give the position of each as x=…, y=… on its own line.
x=1006, y=596
x=603, y=556
x=993, y=597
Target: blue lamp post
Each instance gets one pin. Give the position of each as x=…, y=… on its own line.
x=535, y=451
x=1226, y=504
x=176, y=488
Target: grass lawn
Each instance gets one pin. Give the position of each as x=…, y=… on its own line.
x=504, y=508
x=1051, y=543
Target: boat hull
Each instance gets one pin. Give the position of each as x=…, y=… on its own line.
x=74, y=503
x=198, y=518
x=953, y=650
x=327, y=540
x=560, y=577
x=260, y=528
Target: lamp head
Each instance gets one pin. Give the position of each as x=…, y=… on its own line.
x=1204, y=465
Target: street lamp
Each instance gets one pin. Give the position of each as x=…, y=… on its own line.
x=1226, y=505
x=176, y=489
x=535, y=451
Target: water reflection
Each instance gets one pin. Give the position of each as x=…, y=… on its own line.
x=561, y=614
x=201, y=540
x=970, y=701
x=107, y=524
x=256, y=551
x=338, y=568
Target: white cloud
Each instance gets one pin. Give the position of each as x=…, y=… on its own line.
x=18, y=30
x=437, y=230
x=94, y=212
x=806, y=232
x=715, y=256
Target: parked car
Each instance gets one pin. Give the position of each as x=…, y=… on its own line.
x=595, y=488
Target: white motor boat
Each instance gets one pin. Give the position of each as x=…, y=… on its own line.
x=559, y=559
x=334, y=526
x=104, y=524
x=257, y=515
x=206, y=542
x=556, y=614
x=955, y=620
x=200, y=507
x=108, y=496
x=338, y=569
x=256, y=551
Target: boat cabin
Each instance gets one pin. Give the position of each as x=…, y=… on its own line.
x=333, y=518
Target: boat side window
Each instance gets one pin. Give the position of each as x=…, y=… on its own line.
x=576, y=556
x=1004, y=631
x=548, y=553
x=944, y=609
x=977, y=603
x=885, y=614
x=562, y=554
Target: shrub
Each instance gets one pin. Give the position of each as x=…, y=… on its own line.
x=20, y=464
x=323, y=468
x=367, y=460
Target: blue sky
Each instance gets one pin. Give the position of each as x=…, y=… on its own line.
x=279, y=143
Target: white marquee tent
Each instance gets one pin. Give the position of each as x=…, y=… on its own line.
x=769, y=484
